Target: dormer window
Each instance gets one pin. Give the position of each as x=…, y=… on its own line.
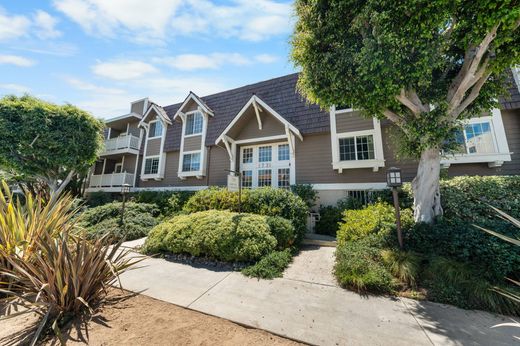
x=156, y=128
x=194, y=122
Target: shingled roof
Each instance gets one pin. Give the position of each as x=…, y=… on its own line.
x=511, y=101
x=279, y=93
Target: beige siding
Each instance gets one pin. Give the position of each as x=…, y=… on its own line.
x=192, y=143
x=191, y=106
x=129, y=164
x=218, y=163
x=247, y=126
x=153, y=147
x=350, y=122
x=137, y=107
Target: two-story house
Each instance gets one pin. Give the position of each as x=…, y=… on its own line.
x=270, y=134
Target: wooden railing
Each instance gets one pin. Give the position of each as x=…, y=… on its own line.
x=111, y=180
x=121, y=142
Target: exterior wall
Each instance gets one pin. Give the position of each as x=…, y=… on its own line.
x=114, y=133
x=350, y=122
x=190, y=106
x=129, y=164
x=247, y=126
x=192, y=143
x=153, y=147
x=137, y=107
x=134, y=129
x=217, y=165
x=98, y=167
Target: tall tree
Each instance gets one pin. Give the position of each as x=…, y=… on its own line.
x=425, y=65
x=46, y=142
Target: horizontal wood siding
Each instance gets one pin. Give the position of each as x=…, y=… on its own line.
x=192, y=143
x=129, y=164
x=153, y=147
x=218, y=163
x=137, y=107
x=247, y=126
x=353, y=121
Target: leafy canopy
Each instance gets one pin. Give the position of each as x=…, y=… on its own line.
x=45, y=140
x=377, y=55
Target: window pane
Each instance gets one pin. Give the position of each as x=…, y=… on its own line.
x=479, y=138
x=186, y=163
x=264, y=154
x=151, y=166
x=191, y=162
x=155, y=129
x=283, y=152
x=247, y=155
x=194, y=123
x=247, y=179
x=283, y=178
x=365, y=147
x=195, y=162
x=264, y=177
x=347, y=149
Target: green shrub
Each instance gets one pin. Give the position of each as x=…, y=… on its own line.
x=359, y=266
x=403, y=265
x=331, y=216
x=168, y=202
x=95, y=199
x=282, y=229
x=378, y=218
x=456, y=283
x=139, y=219
x=263, y=201
x=270, y=266
x=306, y=193
x=222, y=235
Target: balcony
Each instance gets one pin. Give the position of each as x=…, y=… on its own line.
x=111, y=180
x=122, y=144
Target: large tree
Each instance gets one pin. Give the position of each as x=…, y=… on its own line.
x=45, y=142
x=425, y=65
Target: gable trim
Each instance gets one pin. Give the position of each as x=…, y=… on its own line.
x=191, y=96
x=256, y=102
x=160, y=113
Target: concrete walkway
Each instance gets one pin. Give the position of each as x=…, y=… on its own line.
x=312, y=309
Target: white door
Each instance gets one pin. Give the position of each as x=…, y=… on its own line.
x=266, y=165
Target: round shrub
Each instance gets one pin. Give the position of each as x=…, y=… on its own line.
x=282, y=229
x=222, y=235
x=264, y=201
x=168, y=202
x=139, y=219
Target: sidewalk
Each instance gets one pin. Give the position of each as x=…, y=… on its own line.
x=316, y=312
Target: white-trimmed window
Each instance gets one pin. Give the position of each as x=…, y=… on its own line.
x=247, y=155
x=247, y=179
x=356, y=148
x=151, y=165
x=156, y=129
x=118, y=168
x=283, y=152
x=194, y=123
x=476, y=138
x=284, y=181
x=191, y=162
x=264, y=177
x=265, y=154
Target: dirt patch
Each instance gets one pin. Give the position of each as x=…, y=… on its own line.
x=140, y=320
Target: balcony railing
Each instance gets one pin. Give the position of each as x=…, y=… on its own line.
x=111, y=180
x=121, y=143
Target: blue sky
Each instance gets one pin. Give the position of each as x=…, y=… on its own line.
x=102, y=54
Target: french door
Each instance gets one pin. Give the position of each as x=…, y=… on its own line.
x=266, y=165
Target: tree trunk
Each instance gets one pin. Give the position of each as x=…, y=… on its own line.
x=426, y=194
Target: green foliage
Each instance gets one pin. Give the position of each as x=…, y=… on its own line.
x=45, y=140
x=98, y=198
x=456, y=283
x=404, y=265
x=363, y=53
x=378, y=218
x=222, y=235
x=168, y=202
x=282, y=229
x=139, y=219
x=331, y=216
x=264, y=201
x=359, y=266
x=270, y=266
x=306, y=193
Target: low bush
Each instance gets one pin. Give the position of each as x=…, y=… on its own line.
x=359, y=266
x=403, y=265
x=331, y=216
x=378, y=218
x=270, y=266
x=169, y=203
x=222, y=235
x=263, y=201
x=139, y=219
x=306, y=193
x=95, y=199
x=282, y=229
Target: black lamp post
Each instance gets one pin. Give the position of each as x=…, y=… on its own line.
x=393, y=180
x=125, y=188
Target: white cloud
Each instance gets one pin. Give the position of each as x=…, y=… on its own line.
x=12, y=27
x=123, y=69
x=141, y=19
x=16, y=88
x=45, y=25
x=85, y=86
x=16, y=60
x=190, y=62
x=266, y=58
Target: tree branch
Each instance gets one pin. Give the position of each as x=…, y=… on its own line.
x=472, y=96
x=415, y=109
x=394, y=117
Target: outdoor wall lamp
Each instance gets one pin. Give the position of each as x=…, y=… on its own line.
x=394, y=180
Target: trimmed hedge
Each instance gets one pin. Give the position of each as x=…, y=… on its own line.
x=222, y=235
x=139, y=219
x=263, y=201
x=169, y=203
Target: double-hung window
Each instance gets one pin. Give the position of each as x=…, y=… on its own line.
x=156, y=129
x=476, y=138
x=151, y=165
x=356, y=148
x=191, y=162
x=194, y=122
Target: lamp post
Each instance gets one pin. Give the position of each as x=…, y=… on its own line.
x=393, y=180
x=125, y=188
